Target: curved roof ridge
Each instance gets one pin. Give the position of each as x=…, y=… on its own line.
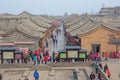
x=24, y=13
x=99, y=25
x=32, y=26
x=37, y=23
x=5, y=33
x=110, y=27
x=45, y=20
x=77, y=21
x=80, y=25
x=70, y=18
x=28, y=26
x=18, y=28
x=84, y=28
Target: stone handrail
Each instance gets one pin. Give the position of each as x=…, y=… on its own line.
x=71, y=64
x=102, y=73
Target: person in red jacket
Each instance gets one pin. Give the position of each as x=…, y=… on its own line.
x=106, y=55
x=108, y=72
x=46, y=59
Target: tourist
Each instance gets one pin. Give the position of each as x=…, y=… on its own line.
x=41, y=58
x=46, y=44
x=53, y=42
x=35, y=59
x=45, y=59
x=105, y=68
x=31, y=54
x=53, y=56
x=58, y=57
x=106, y=55
x=0, y=75
x=108, y=72
x=56, y=41
x=36, y=75
x=98, y=57
x=96, y=67
x=75, y=74
x=100, y=76
x=100, y=65
x=92, y=76
x=26, y=78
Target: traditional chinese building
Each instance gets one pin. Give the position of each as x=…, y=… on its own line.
x=96, y=33
x=23, y=30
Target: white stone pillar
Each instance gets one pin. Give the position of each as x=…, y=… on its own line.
x=15, y=60
x=73, y=60
x=20, y=61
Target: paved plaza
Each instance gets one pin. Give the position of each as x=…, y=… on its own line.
x=46, y=72
x=19, y=72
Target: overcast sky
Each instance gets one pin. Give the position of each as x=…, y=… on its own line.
x=55, y=7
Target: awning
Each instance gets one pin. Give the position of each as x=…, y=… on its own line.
x=72, y=47
x=7, y=48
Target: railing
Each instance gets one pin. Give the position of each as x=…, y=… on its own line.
x=102, y=73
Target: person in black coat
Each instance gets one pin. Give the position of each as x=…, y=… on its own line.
x=92, y=76
x=105, y=68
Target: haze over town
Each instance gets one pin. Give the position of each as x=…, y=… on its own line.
x=55, y=7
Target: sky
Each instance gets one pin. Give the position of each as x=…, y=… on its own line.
x=55, y=7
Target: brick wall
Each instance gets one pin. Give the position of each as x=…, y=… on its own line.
x=100, y=36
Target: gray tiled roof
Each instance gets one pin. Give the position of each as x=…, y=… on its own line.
x=92, y=23
x=77, y=21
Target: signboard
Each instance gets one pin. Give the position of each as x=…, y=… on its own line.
x=63, y=55
x=8, y=55
x=82, y=55
x=72, y=54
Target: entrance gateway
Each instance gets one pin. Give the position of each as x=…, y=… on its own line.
x=95, y=48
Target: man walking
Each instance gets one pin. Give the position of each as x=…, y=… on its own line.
x=92, y=76
x=36, y=75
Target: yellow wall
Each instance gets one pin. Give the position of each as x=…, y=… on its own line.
x=98, y=36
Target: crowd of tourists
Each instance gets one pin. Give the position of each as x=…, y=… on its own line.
x=44, y=57
x=39, y=57
x=99, y=75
